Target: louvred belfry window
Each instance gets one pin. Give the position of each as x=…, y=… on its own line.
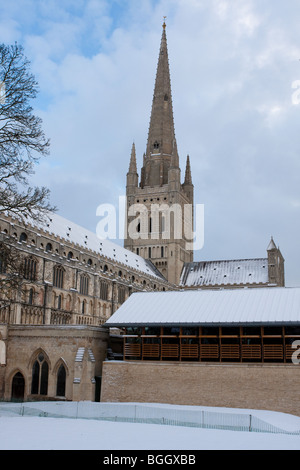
x=29, y=272
x=58, y=276
x=84, y=285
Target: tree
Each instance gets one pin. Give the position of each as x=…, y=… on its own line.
x=22, y=143
x=22, y=140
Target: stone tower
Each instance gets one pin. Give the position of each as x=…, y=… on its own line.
x=275, y=265
x=159, y=206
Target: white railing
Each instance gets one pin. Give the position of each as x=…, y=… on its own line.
x=143, y=413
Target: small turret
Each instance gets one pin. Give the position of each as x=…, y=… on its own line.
x=275, y=265
x=132, y=175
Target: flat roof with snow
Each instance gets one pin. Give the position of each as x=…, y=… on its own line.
x=255, y=306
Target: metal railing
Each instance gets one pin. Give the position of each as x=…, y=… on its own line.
x=143, y=413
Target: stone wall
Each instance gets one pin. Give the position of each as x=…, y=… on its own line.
x=253, y=386
x=81, y=350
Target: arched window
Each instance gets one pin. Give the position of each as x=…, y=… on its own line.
x=70, y=255
x=29, y=271
x=40, y=370
x=59, y=302
x=121, y=294
x=83, y=307
x=23, y=237
x=84, y=284
x=58, y=276
x=149, y=252
x=61, y=381
x=48, y=247
x=104, y=290
x=162, y=252
x=18, y=387
x=3, y=261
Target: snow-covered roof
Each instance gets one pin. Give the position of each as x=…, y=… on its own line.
x=231, y=272
x=261, y=305
x=72, y=233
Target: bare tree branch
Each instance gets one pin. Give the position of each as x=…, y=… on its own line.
x=22, y=144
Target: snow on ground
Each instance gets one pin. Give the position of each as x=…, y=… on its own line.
x=45, y=433
x=31, y=433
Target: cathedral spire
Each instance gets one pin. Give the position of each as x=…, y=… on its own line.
x=161, y=135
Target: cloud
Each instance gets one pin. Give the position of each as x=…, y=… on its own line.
x=233, y=65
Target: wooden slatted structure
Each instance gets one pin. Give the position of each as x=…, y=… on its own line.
x=251, y=351
x=169, y=351
x=238, y=325
x=151, y=351
x=289, y=350
x=219, y=346
x=209, y=351
x=230, y=351
x=132, y=350
x=273, y=351
x=189, y=351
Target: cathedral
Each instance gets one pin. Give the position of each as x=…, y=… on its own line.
x=165, y=204
x=53, y=334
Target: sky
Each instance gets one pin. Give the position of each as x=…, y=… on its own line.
x=235, y=77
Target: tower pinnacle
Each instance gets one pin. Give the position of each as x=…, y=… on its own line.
x=188, y=173
x=132, y=164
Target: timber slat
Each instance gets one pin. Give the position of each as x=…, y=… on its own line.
x=273, y=351
x=189, y=350
x=209, y=351
x=169, y=350
x=151, y=350
x=131, y=350
x=251, y=351
x=230, y=351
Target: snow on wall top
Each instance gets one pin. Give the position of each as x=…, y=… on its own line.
x=231, y=272
x=211, y=307
x=73, y=233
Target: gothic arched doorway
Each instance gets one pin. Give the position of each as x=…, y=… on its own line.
x=18, y=387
